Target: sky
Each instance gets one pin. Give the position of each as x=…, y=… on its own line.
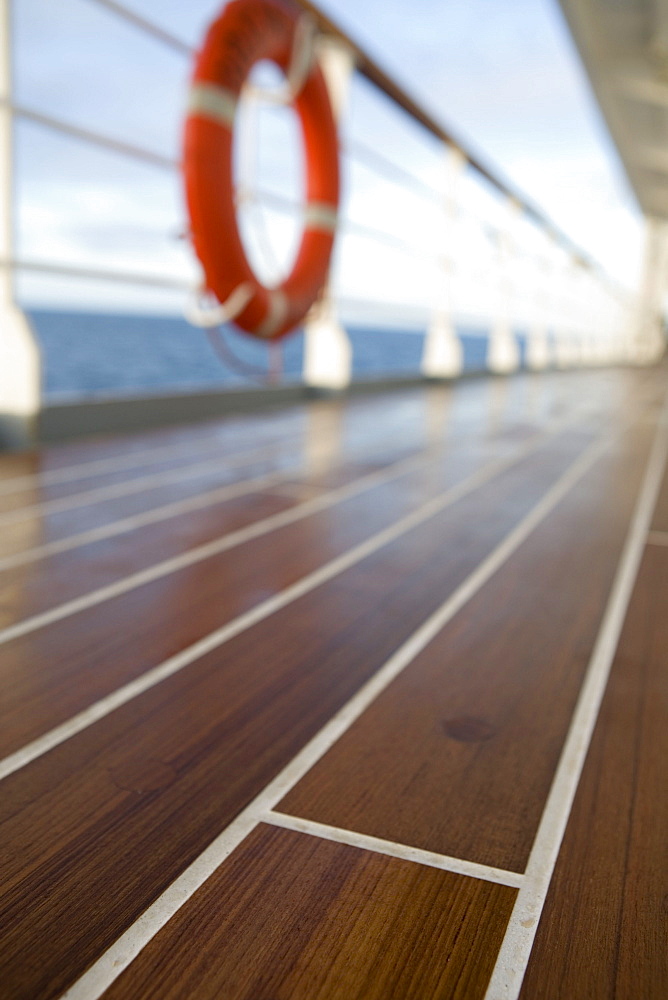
x=502, y=75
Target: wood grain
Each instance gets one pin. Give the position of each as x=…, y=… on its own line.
x=550, y=392
x=202, y=453
x=291, y=917
x=48, y=582
x=219, y=450
x=94, y=831
x=47, y=674
x=330, y=437
x=97, y=828
x=138, y=455
x=605, y=924
x=458, y=755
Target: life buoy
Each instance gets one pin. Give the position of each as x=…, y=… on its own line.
x=247, y=31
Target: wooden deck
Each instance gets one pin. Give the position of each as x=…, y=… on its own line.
x=298, y=706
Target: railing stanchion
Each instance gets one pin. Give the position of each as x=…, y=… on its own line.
x=327, y=349
x=648, y=336
x=503, y=354
x=443, y=356
x=19, y=355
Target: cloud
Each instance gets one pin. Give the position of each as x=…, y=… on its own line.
x=504, y=74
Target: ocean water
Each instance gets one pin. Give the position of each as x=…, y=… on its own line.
x=89, y=354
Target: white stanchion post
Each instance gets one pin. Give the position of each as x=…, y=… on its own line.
x=327, y=349
x=19, y=355
x=443, y=356
x=503, y=355
x=648, y=336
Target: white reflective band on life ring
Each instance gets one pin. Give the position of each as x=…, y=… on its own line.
x=276, y=314
x=246, y=33
x=210, y=101
x=318, y=215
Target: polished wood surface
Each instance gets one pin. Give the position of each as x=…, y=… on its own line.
x=229, y=722
x=46, y=582
x=458, y=755
x=454, y=757
x=603, y=930
x=47, y=673
x=352, y=924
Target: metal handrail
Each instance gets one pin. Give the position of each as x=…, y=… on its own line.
x=381, y=79
x=97, y=274
x=355, y=149
x=374, y=73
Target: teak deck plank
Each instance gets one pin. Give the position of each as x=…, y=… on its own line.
x=77, y=463
x=98, y=827
x=341, y=443
x=38, y=586
x=45, y=493
x=35, y=587
x=353, y=439
x=47, y=673
x=219, y=459
x=257, y=429
x=603, y=929
x=458, y=754
x=48, y=582
x=352, y=926
x=41, y=527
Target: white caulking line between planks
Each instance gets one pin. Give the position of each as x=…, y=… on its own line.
x=392, y=849
x=152, y=516
x=156, y=514
x=117, y=958
x=207, y=550
x=104, y=706
x=228, y=541
x=164, y=512
x=506, y=981
x=131, y=486
x=124, y=462
x=120, y=463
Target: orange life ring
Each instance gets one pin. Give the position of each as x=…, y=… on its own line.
x=245, y=32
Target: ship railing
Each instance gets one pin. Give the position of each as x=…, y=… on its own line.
x=457, y=248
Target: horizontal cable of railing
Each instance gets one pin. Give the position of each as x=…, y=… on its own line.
x=129, y=150
x=357, y=150
x=372, y=71
x=380, y=164
x=101, y=274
